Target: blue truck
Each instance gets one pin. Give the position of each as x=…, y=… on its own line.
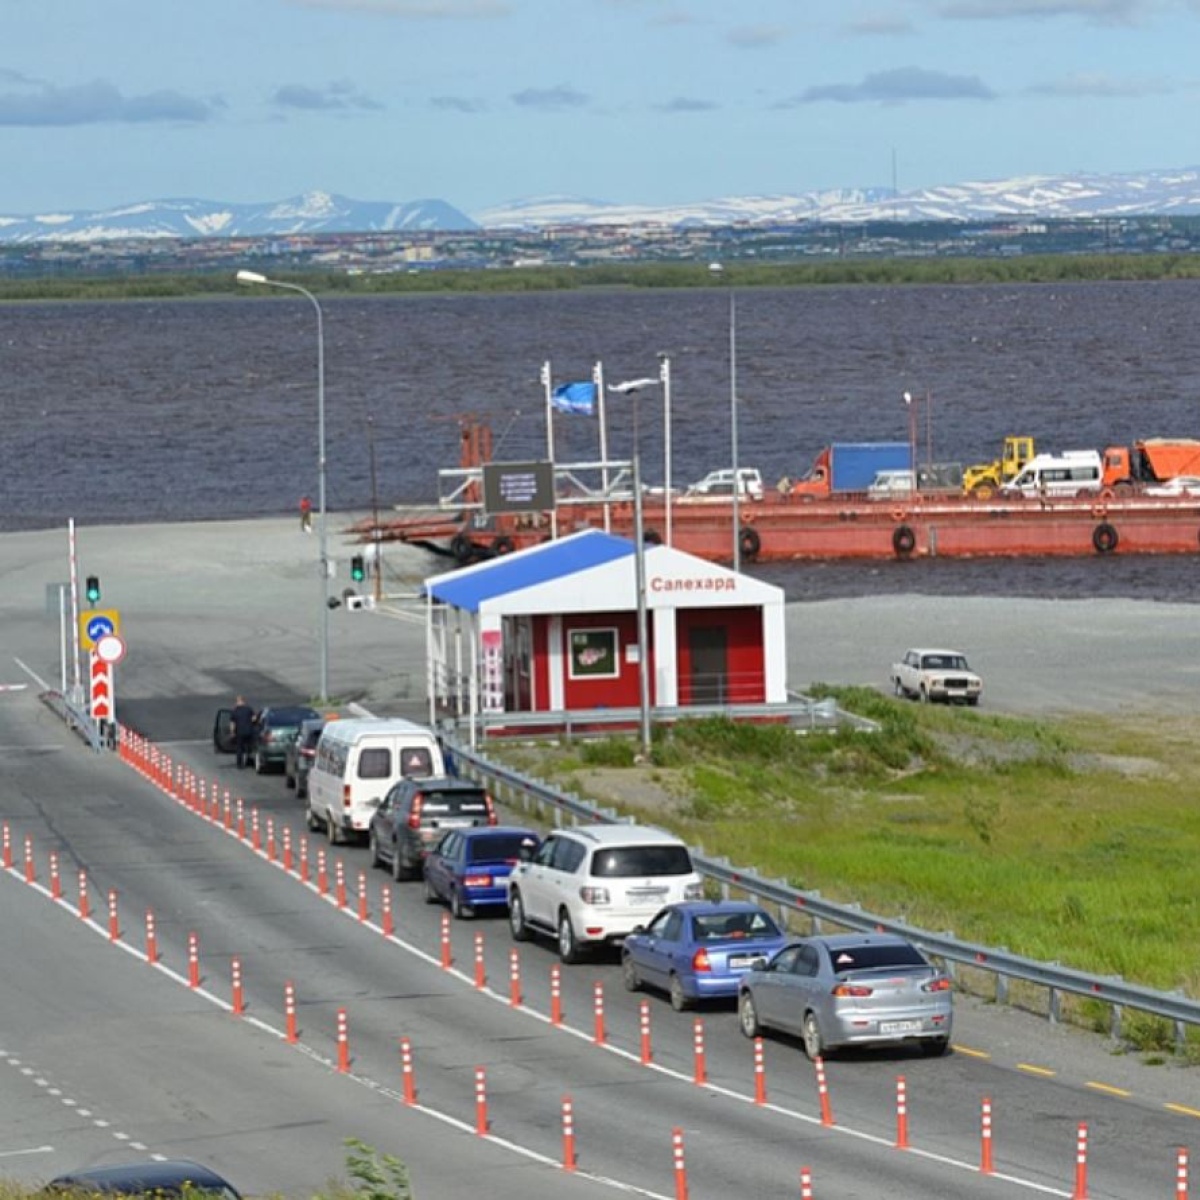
x=852, y=466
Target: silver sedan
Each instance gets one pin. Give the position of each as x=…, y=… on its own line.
x=847, y=990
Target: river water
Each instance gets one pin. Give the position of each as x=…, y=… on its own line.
x=207, y=409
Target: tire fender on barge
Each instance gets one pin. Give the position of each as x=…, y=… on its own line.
x=904, y=540
x=1105, y=538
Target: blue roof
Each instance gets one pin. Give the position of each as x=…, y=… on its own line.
x=473, y=586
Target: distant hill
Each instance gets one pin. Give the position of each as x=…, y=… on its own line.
x=311, y=213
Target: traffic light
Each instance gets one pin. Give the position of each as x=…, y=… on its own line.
x=357, y=570
x=93, y=589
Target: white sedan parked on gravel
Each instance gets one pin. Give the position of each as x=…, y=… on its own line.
x=930, y=675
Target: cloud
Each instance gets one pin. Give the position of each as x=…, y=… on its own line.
x=339, y=96
x=880, y=25
x=896, y=87
x=1099, y=85
x=755, y=37
x=1102, y=12
x=95, y=103
x=415, y=10
x=555, y=99
x=686, y=104
x=461, y=104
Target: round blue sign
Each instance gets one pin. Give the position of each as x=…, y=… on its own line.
x=99, y=627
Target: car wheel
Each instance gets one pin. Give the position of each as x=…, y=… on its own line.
x=899, y=687
x=459, y=910
x=431, y=897
x=935, y=1047
x=924, y=697
x=680, y=1000
x=301, y=789
x=516, y=918
x=289, y=781
x=748, y=1015
x=813, y=1044
x=973, y=701
x=332, y=832
x=568, y=947
x=314, y=822
x=630, y=976
x=400, y=869
x=373, y=846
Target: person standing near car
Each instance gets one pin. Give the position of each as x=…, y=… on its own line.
x=305, y=515
x=243, y=731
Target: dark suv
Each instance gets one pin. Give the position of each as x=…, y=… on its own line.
x=301, y=752
x=416, y=812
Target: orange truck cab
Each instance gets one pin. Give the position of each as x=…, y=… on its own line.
x=1153, y=461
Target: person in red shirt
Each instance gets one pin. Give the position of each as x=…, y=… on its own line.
x=305, y=514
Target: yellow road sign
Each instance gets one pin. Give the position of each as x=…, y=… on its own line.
x=94, y=623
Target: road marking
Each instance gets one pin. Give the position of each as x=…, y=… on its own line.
x=1107, y=1087
x=1045, y=1071
x=31, y=1150
x=33, y=675
x=969, y=1052
x=1183, y=1109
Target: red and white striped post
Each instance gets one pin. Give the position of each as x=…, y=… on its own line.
x=303, y=859
x=598, y=1011
x=385, y=905
x=151, y=939
x=1181, y=1174
x=29, y=872
x=55, y=881
x=270, y=839
x=681, y=1188
x=447, y=958
x=322, y=873
x=985, y=1138
x=568, y=1128
x=255, y=836
x=193, y=961
x=514, y=977
x=241, y=819
x=823, y=1092
x=289, y=1013
x=406, y=1069
x=85, y=910
x=363, y=910
x=555, y=994
x=235, y=968
x=760, y=1073
x=343, y=1042
x=201, y=797
x=228, y=813
x=644, y=1029
x=1081, y=1146
x=481, y=1112
x=7, y=847
x=806, y=1192
x=901, y=1113
x=288, y=861
x=339, y=883
x=114, y=928
x=480, y=972
x=700, y=1068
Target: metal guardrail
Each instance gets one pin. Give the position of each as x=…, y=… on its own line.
x=1176, y=1007
x=76, y=718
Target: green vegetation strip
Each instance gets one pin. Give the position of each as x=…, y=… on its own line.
x=1073, y=840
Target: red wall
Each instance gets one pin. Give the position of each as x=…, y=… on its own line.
x=743, y=650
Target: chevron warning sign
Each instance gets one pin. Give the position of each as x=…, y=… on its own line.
x=102, y=688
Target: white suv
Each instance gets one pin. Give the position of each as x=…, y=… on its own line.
x=589, y=886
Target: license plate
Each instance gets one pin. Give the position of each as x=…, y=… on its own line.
x=900, y=1026
x=645, y=897
x=746, y=962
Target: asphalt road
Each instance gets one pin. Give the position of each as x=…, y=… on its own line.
x=180, y=1075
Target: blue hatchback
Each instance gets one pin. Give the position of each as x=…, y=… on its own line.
x=699, y=951
x=469, y=868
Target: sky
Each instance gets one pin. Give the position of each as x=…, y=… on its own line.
x=483, y=102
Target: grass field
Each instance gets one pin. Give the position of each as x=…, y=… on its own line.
x=1074, y=840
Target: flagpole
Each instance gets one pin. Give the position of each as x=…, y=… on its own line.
x=550, y=441
x=664, y=375
x=598, y=380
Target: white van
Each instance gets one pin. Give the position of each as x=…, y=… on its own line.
x=357, y=763
x=1065, y=474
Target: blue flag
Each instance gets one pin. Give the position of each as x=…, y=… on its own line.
x=577, y=397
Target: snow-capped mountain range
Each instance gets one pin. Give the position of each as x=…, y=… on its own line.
x=1148, y=193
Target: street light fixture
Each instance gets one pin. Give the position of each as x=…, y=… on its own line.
x=252, y=278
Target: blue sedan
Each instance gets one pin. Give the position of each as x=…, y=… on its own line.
x=469, y=868
x=699, y=951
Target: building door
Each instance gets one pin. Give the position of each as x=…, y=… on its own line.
x=709, y=664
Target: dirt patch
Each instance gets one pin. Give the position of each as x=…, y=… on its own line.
x=651, y=790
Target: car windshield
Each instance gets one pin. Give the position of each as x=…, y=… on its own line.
x=277, y=718
x=625, y=861
x=944, y=662
x=456, y=803
x=498, y=847
x=875, y=957
x=708, y=927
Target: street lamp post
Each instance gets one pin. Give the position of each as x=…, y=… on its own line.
x=251, y=278
x=716, y=271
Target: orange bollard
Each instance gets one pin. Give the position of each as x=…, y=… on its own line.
x=114, y=929
x=568, y=1127
x=7, y=847
x=681, y=1188
x=385, y=904
x=29, y=871
x=55, y=882
x=241, y=819
x=363, y=911
x=480, y=974
x=193, y=961
x=270, y=839
x=151, y=940
x=339, y=875
x=1081, y=1140
x=84, y=909
x=255, y=836
x=447, y=958
x=823, y=1092
x=700, y=1072
x=228, y=813
x=555, y=994
x=322, y=873
x=806, y=1192
x=598, y=1013
x=236, y=972
x=1181, y=1174
x=985, y=1138
x=644, y=1028
x=514, y=978
x=289, y=1012
x=287, y=849
x=760, y=1073
x=303, y=859
x=481, y=1113
x=406, y=1067
x=901, y=1113
x=343, y=1041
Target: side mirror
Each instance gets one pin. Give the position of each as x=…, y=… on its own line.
x=526, y=853
x=639, y=929
x=375, y=802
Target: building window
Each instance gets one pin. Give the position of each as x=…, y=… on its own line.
x=593, y=654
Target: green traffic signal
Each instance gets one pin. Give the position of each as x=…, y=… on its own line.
x=357, y=571
x=93, y=589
